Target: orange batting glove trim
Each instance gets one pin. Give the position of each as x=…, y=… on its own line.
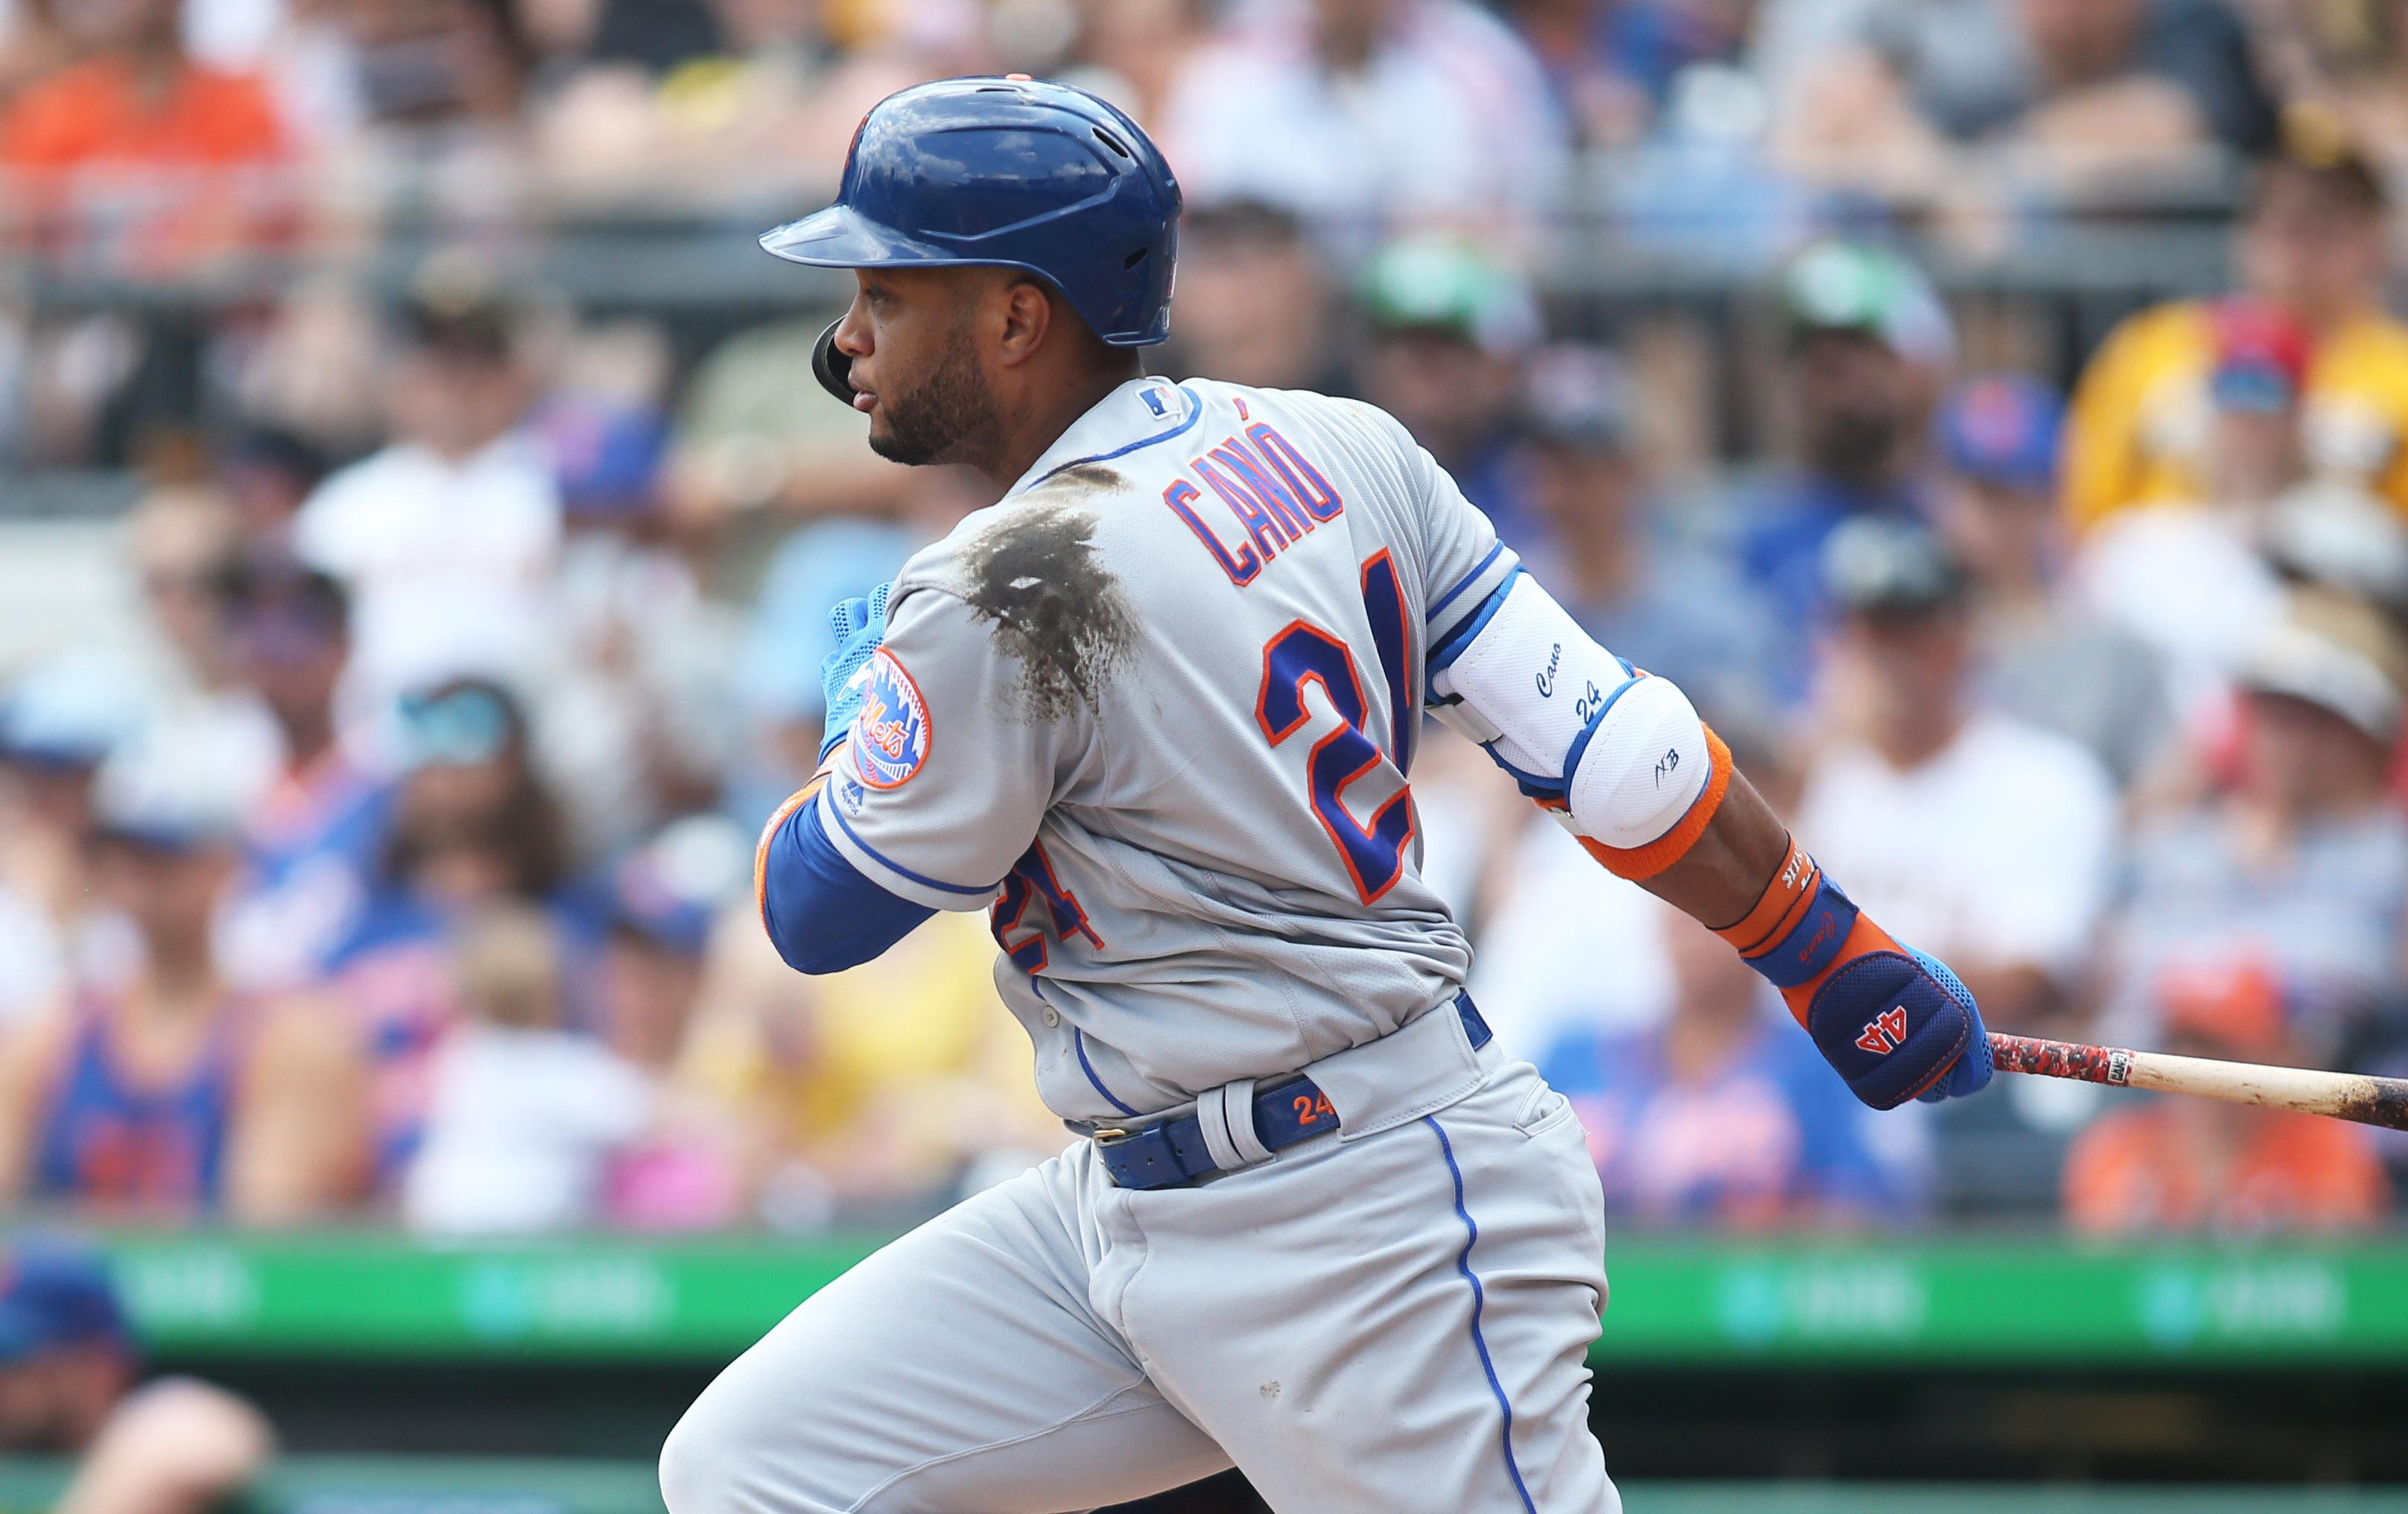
x=1863, y=938
x=794, y=801
x=1639, y=863
x=1778, y=911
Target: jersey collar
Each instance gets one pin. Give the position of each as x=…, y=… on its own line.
x=1139, y=413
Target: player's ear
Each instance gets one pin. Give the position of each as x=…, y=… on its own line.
x=1027, y=316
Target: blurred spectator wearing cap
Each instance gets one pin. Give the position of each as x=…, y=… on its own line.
x=2303, y=864
x=172, y=1096
x=2046, y=657
x=266, y=474
x=2183, y=1163
x=2189, y=576
x=137, y=104
x=70, y=1371
x=444, y=538
x=1994, y=836
x=1450, y=327
x=1255, y=303
x=1867, y=341
x=523, y=1113
x=1612, y=561
x=1370, y=116
x=2311, y=243
x=474, y=825
x=1721, y=1117
x=312, y=841
x=1990, y=835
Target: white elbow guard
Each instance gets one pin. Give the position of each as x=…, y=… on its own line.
x=1641, y=767
x=1625, y=755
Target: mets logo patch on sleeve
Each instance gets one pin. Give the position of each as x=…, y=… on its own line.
x=890, y=738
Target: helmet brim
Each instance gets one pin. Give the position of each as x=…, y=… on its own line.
x=840, y=236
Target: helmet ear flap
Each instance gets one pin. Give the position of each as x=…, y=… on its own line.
x=832, y=368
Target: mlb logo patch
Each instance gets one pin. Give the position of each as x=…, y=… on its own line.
x=890, y=738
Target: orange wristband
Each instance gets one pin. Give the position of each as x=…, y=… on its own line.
x=1780, y=909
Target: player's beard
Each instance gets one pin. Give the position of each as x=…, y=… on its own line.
x=946, y=418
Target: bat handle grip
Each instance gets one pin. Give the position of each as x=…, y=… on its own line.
x=2061, y=1059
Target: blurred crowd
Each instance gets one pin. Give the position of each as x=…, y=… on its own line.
x=376, y=825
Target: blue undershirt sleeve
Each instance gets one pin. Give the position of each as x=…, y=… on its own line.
x=821, y=914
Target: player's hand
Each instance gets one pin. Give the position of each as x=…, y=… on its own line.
x=860, y=626
x=1895, y=1023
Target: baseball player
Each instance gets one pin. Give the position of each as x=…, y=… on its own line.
x=1155, y=712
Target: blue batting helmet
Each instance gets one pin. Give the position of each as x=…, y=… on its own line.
x=1003, y=172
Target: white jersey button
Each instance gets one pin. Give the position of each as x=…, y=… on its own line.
x=1052, y=1018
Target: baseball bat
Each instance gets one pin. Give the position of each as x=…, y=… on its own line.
x=2369, y=1101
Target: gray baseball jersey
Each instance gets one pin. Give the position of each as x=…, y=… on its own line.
x=1155, y=710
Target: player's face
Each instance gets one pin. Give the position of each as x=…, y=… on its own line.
x=915, y=367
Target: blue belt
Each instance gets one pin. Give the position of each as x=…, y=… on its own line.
x=1171, y=1153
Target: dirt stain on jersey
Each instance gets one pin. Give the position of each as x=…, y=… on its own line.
x=1034, y=577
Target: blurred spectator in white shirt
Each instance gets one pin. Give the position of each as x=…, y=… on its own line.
x=631, y=713
x=445, y=538
x=1966, y=831
x=524, y=1115
x=197, y=707
x=58, y=722
x=2301, y=870
x=2047, y=658
x=1362, y=116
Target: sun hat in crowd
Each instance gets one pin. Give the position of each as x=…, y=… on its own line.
x=162, y=801
x=69, y=712
x=2338, y=653
x=1891, y=566
x=2338, y=535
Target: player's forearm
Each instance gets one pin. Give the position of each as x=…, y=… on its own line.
x=1721, y=876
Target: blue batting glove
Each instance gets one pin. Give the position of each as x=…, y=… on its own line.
x=860, y=626
x=1898, y=1024
x=1894, y=1022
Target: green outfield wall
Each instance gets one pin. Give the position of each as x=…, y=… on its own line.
x=1966, y=1301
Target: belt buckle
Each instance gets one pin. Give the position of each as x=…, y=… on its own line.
x=1108, y=1138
